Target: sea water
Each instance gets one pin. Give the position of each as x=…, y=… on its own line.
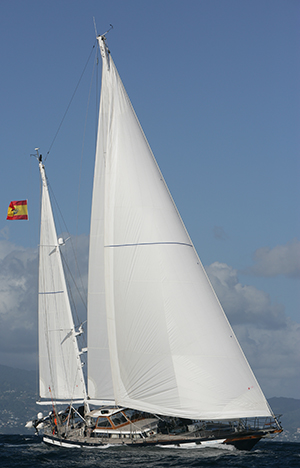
x=18, y=451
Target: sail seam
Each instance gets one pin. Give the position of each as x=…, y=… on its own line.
x=149, y=243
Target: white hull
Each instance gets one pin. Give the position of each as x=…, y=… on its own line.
x=60, y=443
x=244, y=441
x=88, y=444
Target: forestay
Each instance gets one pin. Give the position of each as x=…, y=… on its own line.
x=152, y=309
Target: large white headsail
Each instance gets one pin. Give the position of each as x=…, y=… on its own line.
x=172, y=349
x=60, y=366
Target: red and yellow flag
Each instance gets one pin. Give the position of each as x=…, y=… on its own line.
x=17, y=210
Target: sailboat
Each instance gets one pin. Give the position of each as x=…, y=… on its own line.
x=164, y=365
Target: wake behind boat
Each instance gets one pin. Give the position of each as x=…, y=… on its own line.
x=164, y=365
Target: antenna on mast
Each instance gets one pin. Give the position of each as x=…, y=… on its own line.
x=37, y=156
x=95, y=27
x=111, y=27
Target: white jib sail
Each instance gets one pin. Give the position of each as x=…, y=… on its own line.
x=60, y=369
x=172, y=350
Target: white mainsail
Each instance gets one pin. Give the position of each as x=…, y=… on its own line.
x=60, y=368
x=158, y=338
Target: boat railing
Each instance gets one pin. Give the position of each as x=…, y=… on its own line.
x=223, y=428
x=268, y=423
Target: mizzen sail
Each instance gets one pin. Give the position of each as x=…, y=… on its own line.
x=60, y=369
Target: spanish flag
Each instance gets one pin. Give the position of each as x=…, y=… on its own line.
x=17, y=210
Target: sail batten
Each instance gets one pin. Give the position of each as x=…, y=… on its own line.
x=155, y=324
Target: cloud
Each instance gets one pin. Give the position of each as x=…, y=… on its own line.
x=244, y=304
x=5, y=245
x=18, y=305
x=269, y=339
x=18, y=298
x=274, y=356
x=281, y=260
x=4, y=232
x=219, y=233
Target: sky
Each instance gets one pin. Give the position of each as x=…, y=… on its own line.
x=215, y=85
